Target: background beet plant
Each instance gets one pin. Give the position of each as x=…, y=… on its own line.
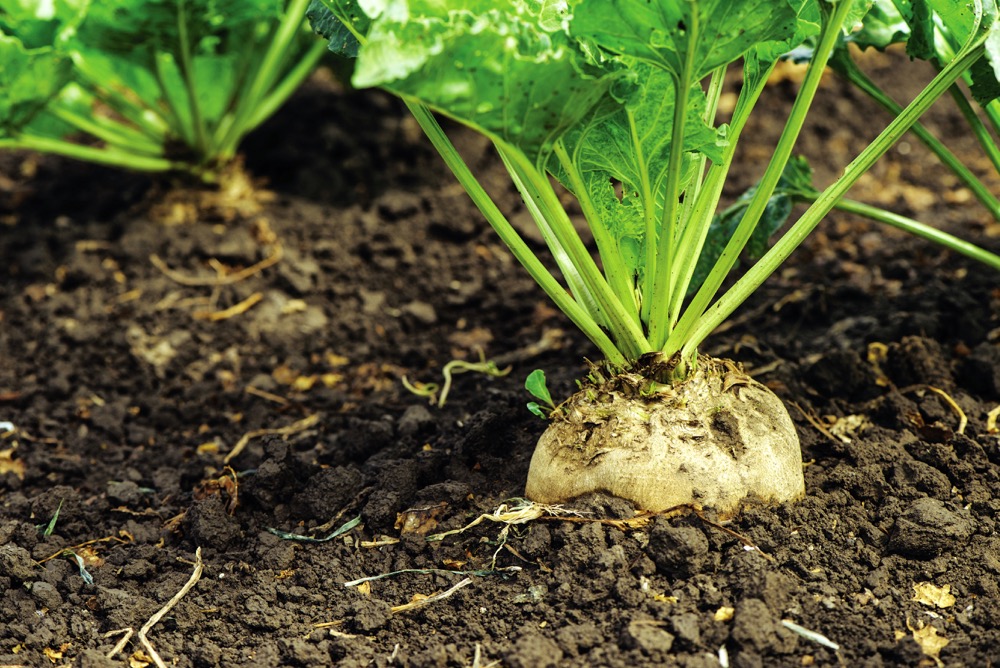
x=147, y=84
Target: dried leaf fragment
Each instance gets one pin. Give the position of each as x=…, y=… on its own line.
x=848, y=428
x=420, y=521
x=10, y=465
x=139, y=660
x=724, y=614
x=930, y=642
x=53, y=655
x=930, y=594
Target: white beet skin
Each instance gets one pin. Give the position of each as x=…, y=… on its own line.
x=716, y=439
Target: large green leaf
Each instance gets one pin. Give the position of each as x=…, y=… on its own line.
x=135, y=47
x=691, y=36
x=140, y=28
x=941, y=27
x=508, y=69
x=986, y=77
x=33, y=67
x=38, y=24
x=29, y=79
x=342, y=40
x=885, y=24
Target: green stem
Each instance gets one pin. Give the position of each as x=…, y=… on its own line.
x=101, y=156
x=993, y=113
x=177, y=120
x=648, y=215
x=249, y=60
x=149, y=121
x=266, y=75
x=845, y=65
x=696, y=231
x=288, y=85
x=659, y=288
x=922, y=230
x=715, y=85
x=186, y=65
x=544, y=217
x=772, y=174
x=625, y=331
x=563, y=301
x=618, y=274
x=829, y=198
x=111, y=132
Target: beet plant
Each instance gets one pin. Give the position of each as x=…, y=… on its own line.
x=148, y=85
x=616, y=102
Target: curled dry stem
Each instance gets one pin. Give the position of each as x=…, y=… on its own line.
x=294, y=428
x=232, y=311
x=423, y=601
x=192, y=581
x=991, y=421
x=227, y=279
x=430, y=390
x=963, y=420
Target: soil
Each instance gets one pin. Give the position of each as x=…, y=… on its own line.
x=135, y=356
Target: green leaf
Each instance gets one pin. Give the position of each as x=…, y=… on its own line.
x=795, y=179
x=855, y=17
x=507, y=69
x=81, y=566
x=535, y=409
x=709, y=33
x=942, y=26
x=339, y=531
x=127, y=45
x=34, y=67
x=139, y=29
x=535, y=384
x=38, y=24
x=885, y=24
x=51, y=526
x=29, y=80
x=986, y=71
x=325, y=23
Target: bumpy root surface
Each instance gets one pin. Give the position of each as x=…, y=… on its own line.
x=716, y=439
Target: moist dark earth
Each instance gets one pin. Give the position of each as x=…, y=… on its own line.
x=146, y=333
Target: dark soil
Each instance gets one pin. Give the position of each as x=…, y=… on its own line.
x=125, y=388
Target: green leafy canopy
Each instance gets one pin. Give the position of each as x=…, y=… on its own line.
x=616, y=100
x=160, y=83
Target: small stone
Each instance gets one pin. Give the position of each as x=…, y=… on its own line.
x=372, y=301
x=754, y=628
x=415, y=420
x=397, y=204
x=238, y=245
x=367, y=616
x=686, y=628
x=46, y=595
x=534, y=651
x=16, y=562
x=125, y=493
x=422, y=311
x=92, y=658
x=210, y=524
x=680, y=551
x=649, y=636
x=927, y=528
